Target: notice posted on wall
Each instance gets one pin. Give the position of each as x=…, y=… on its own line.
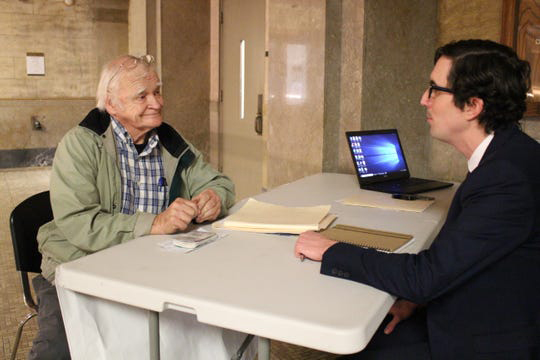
x=35, y=64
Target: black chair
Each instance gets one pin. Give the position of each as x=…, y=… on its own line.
x=25, y=221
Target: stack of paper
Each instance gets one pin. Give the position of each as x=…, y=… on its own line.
x=193, y=239
x=258, y=216
x=385, y=201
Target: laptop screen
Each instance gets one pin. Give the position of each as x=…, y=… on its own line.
x=377, y=155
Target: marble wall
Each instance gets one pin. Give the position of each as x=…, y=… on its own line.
x=76, y=40
x=461, y=19
x=344, y=59
x=185, y=67
x=467, y=19
x=333, y=66
x=358, y=65
x=376, y=57
x=315, y=85
x=296, y=46
x=399, y=40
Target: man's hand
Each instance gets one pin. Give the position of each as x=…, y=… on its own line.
x=209, y=205
x=401, y=310
x=175, y=218
x=312, y=245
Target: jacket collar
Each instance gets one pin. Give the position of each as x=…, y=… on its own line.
x=99, y=121
x=499, y=140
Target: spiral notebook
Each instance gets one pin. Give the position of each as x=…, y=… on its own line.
x=375, y=239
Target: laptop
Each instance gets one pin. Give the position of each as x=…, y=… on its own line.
x=381, y=166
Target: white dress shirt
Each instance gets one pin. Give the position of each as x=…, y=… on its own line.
x=478, y=153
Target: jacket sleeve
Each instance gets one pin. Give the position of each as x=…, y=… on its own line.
x=200, y=176
x=495, y=214
x=83, y=200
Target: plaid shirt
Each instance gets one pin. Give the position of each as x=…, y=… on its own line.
x=143, y=178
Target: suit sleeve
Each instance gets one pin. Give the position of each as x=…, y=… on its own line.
x=493, y=214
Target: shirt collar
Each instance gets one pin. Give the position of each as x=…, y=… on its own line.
x=478, y=153
x=120, y=131
x=122, y=135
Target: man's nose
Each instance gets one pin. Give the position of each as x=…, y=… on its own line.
x=155, y=101
x=424, y=100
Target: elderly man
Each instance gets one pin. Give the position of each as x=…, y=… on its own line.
x=474, y=293
x=121, y=173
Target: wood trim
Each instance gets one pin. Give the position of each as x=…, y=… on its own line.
x=509, y=29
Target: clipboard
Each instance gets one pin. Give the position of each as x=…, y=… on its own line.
x=375, y=239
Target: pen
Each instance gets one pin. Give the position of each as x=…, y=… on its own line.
x=162, y=181
x=302, y=257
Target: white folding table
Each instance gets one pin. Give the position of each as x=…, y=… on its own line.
x=252, y=282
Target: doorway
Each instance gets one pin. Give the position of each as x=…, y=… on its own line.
x=242, y=78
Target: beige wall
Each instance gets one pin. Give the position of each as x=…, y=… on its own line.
x=352, y=77
x=76, y=41
x=137, y=23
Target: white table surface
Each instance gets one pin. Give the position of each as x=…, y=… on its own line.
x=252, y=282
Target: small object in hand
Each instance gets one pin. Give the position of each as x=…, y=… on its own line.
x=302, y=257
x=412, y=197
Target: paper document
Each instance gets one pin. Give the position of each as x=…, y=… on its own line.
x=193, y=239
x=188, y=241
x=259, y=216
x=385, y=201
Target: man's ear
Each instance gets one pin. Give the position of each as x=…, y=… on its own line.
x=109, y=106
x=474, y=107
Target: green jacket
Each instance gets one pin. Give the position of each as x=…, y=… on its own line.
x=86, y=191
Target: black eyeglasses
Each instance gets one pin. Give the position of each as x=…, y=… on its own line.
x=439, y=88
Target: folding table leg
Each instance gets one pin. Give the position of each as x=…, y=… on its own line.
x=153, y=327
x=264, y=349
x=243, y=347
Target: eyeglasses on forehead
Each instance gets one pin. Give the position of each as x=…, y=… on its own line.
x=131, y=63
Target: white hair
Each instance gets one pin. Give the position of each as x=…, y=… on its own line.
x=114, y=70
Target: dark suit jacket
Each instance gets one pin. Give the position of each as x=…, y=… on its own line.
x=480, y=279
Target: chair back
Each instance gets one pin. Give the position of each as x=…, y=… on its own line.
x=25, y=221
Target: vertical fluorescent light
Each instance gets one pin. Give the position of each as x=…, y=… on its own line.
x=242, y=75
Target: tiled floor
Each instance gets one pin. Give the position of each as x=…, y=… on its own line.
x=17, y=185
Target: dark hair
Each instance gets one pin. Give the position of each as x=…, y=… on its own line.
x=491, y=72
